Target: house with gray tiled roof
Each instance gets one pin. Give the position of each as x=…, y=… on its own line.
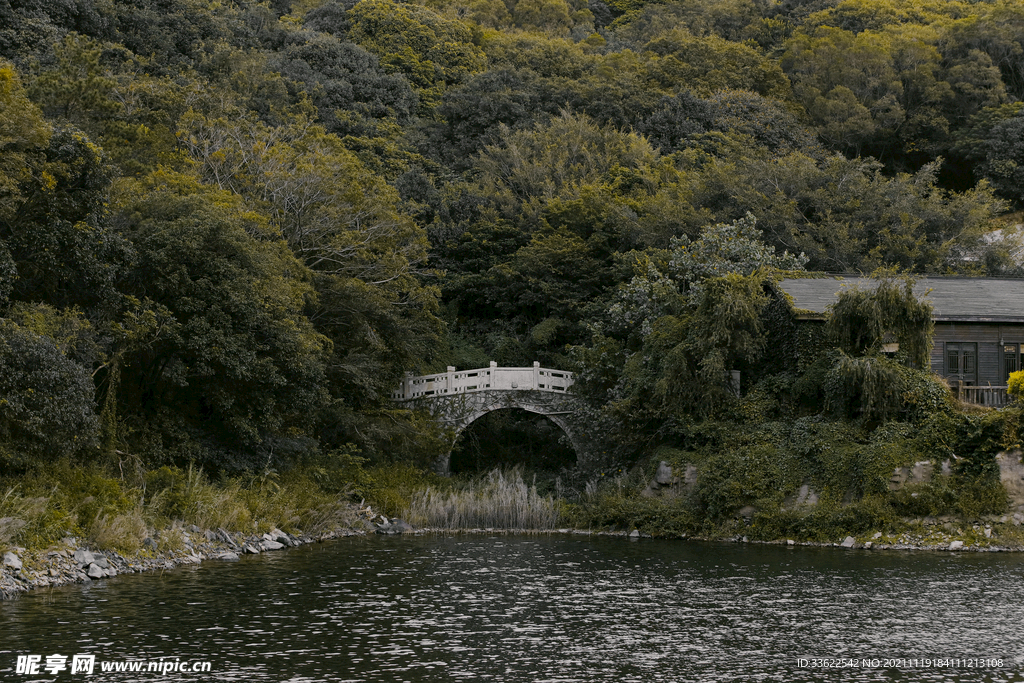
x=979, y=323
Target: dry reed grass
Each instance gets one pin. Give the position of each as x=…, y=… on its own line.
x=20, y=515
x=123, y=532
x=501, y=500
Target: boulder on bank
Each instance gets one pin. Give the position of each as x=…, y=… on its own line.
x=805, y=497
x=400, y=526
x=667, y=484
x=1011, y=474
x=83, y=557
x=11, y=560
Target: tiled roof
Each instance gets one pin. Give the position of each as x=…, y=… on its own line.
x=967, y=299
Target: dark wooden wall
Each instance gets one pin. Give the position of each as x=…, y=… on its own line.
x=989, y=336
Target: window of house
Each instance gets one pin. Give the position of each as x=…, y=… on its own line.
x=1012, y=359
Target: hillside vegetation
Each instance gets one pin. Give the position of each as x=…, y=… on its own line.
x=228, y=228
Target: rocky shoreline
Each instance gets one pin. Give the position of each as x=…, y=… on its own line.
x=910, y=540
x=73, y=562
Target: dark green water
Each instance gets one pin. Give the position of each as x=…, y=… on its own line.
x=539, y=608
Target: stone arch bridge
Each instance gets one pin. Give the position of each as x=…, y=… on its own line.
x=457, y=398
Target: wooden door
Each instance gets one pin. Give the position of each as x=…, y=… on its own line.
x=962, y=362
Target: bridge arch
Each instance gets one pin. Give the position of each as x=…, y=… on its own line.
x=458, y=398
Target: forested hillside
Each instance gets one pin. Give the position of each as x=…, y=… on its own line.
x=227, y=228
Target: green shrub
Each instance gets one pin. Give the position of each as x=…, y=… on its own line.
x=980, y=496
x=1015, y=385
x=808, y=390
x=649, y=515
x=980, y=438
x=46, y=400
x=767, y=400
x=829, y=521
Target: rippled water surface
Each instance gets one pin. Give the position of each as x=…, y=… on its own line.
x=539, y=608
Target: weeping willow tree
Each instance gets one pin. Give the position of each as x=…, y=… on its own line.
x=861, y=321
x=863, y=382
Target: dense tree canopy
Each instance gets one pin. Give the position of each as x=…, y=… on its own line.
x=253, y=218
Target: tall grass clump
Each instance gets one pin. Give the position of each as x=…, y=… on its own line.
x=25, y=518
x=122, y=532
x=188, y=495
x=500, y=500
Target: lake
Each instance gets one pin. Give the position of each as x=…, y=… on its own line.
x=493, y=607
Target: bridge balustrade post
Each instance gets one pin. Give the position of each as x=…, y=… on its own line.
x=450, y=379
x=536, y=375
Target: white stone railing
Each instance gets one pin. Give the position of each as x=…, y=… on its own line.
x=483, y=379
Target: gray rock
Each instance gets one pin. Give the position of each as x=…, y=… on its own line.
x=194, y=529
x=229, y=556
x=227, y=538
x=111, y=571
x=848, y=542
x=101, y=562
x=84, y=557
x=400, y=526
x=210, y=536
x=271, y=545
x=634, y=534
x=868, y=545
x=806, y=497
x=252, y=550
x=282, y=537
x=878, y=535
x=790, y=541
x=149, y=544
x=956, y=545
x=95, y=572
x=664, y=474
x=11, y=560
